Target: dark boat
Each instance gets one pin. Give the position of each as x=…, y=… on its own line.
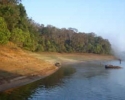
x=112, y=66
x=58, y=64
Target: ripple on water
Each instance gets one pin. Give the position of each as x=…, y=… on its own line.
x=87, y=82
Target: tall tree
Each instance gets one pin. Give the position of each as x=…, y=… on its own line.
x=4, y=32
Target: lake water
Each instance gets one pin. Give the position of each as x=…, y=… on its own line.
x=84, y=81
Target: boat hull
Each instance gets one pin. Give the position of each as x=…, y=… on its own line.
x=112, y=67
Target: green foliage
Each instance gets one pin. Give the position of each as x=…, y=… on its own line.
x=4, y=32
x=67, y=40
x=22, y=22
x=10, y=14
x=30, y=43
x=40, y=48
x=18, y=37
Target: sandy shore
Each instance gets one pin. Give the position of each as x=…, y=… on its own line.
x=27, y=67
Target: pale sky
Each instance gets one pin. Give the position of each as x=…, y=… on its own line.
x=104, y=17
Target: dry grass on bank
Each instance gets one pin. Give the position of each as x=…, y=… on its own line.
x=15, y=62
x=50, y=56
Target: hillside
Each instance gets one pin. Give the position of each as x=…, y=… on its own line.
x=19, y=67
x=15, y=63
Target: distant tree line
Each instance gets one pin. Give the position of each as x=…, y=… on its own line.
x=15, y=26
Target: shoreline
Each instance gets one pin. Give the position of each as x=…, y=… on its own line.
x=26, y=80
x=52, y=58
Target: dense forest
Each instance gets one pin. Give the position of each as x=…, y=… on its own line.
x=17, y=27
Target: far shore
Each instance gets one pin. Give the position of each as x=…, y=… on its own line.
x=50, y=58
x=70, y=58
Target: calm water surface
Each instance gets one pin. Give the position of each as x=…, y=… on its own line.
x=84, y=81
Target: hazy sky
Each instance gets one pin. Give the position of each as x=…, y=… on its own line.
x=104, y=17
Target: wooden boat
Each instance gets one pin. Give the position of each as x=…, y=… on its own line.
x=112, y=66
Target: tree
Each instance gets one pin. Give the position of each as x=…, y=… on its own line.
x=22, y=22
x=18, y=37
x=4, y=32
x=11, y=15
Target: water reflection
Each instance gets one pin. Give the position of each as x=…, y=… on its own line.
x=90, y=69
x=25, y=92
